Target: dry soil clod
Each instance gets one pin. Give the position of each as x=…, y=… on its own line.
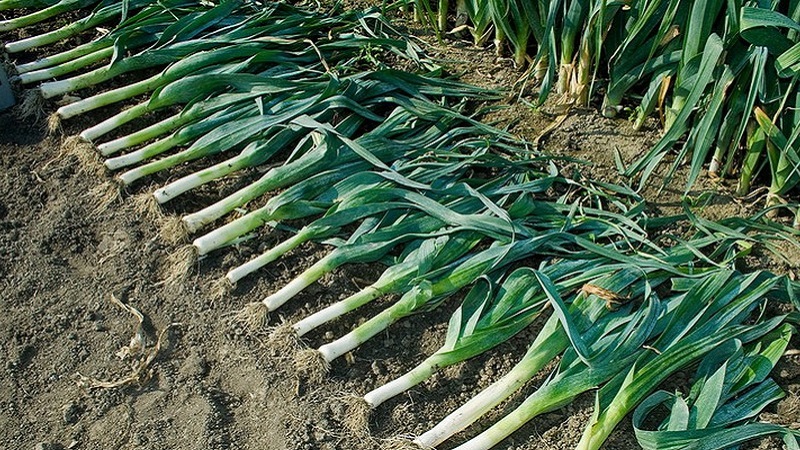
x=32, y=106
x=311, y=365
x=104, y=195
x=220, y=288
x=88, y=157
x=146, y=205
x=255, y=316
x=180, y=264
x=358, y=412
x=284, y=339
x=173, y=231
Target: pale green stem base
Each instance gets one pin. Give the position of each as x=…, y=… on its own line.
x=550, y=342
x=338, y=309
x=194, y=180
x=65, y=68
x=399, y=385
x=309, y=276
x=143, y=135
x=109, y=97
x=236, y=274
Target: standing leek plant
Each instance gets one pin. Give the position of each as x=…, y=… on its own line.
x=722, y=75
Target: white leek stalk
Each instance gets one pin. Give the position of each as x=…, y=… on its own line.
x=66, y=67
x=109, y=97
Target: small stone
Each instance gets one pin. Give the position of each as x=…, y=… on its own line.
x=139, y=438
x=46, y=446
x=98, y=326
x=70, y=412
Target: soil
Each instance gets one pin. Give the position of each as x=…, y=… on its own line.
x=213, y=383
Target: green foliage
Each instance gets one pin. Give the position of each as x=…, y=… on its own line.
x=722, y=75
x=731, y=387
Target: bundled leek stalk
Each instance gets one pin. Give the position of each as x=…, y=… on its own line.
x=391, y=217
x=360, y=248
x=407, y=214
x=222, y=40
x=607, y=290
x=411, y=130
x=262, y=129
x=363, y=197
x=418, y=259
x=48, y=9
x=600, y=351
x=514, y=242
x=485, y=320
x=423, y=296
x=403, y=136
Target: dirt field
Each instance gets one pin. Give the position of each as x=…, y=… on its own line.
x=214, y=384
